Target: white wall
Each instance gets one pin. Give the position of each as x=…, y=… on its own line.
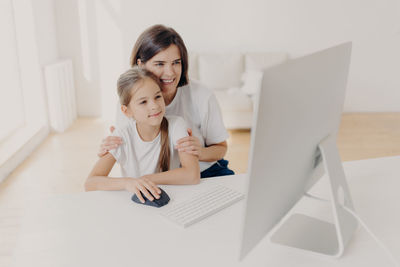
x=69, y=30
x=298, y=27
x=46, y=35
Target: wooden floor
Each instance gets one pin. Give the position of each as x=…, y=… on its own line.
x=361, y=136
x=60, y=165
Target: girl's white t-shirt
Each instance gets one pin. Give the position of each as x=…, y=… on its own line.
x=137, y=157
x=201, y=112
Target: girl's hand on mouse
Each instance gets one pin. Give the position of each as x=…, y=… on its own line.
x=108, y=143
x=143, y=185
x=190, y=144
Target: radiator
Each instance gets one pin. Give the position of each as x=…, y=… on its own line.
x=60, y=95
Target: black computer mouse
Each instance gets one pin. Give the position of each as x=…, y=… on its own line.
x=163, y=200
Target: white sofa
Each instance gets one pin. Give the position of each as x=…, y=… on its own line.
x=235, y=79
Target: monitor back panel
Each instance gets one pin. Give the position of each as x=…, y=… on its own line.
x=300, y=103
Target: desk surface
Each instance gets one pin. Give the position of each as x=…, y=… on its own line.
x=107, y=229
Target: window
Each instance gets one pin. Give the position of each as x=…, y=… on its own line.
x=23, y=118
x=11, y=99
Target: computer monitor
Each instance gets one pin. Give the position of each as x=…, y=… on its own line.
x=293, y=138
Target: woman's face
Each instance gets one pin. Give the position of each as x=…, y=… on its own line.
x=167, y=66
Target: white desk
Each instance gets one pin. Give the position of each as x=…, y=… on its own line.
x=107, y=229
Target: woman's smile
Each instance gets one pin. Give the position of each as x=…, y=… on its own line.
x=167, y=81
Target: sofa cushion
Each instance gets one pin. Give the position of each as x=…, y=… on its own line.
x=260, y=61
x=220, y=71
x=234, y=100
x=252, y=80
x=193, y=66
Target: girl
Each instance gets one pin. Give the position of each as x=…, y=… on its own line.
x=162, y=51
x=147, y=156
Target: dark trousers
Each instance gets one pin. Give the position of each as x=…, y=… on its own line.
x=220, y=168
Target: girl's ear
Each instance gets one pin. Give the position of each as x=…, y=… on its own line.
x=127, y=112
x=139, y=63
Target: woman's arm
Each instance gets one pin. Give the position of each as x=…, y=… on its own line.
x=214, y=152
x=189, y=173
x=98, y=180
x=191, y=145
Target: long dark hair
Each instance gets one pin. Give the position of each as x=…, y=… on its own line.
x=125, y=84
x=156, y=39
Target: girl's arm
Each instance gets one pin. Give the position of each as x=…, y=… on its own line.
x=189, y=173
x=98, y=180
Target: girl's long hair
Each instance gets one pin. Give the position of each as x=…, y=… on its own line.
x=125, y=85
x=164, y=158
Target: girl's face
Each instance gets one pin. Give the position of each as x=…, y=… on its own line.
x=167, y=66
x=147, y=104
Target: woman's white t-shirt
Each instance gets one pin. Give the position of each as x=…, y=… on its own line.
x=137, y=157
x=201, y=112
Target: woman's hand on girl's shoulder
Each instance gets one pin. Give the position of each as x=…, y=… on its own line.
x=108, y=143
x=141, y=186
x=190, y=144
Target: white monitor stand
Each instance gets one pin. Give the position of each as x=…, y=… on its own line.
x=307, y=233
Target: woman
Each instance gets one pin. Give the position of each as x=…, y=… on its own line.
x=162, y=51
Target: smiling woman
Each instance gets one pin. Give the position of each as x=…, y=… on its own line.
x=161, y=50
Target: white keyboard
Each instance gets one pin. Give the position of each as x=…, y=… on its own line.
x=202, y=205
